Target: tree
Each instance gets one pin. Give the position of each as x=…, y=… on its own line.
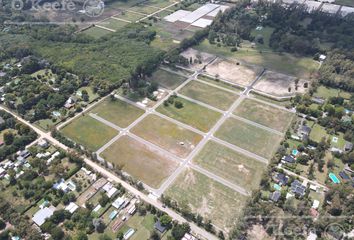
x=103, y=200
x=8, y=138
x=165, y=220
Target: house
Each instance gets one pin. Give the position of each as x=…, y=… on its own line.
x=43, y=143
x=275, y=196
x=188, y=236
x=40, y=217
x=159, y=227
x=70, y=102
x=344, y=176
x=298, y=189
x=72, y=207
x=109, y=189
x=23, y=154
x=322, y=57
x=118, y=202
x=282, y=179
x=348, y=146
x=312, y=236
x=315, y=204
x=314, y=213
x=305, y=131
x=288, y=159
x=318, y=100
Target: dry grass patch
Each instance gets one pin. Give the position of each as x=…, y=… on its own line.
x=139, y=161
x=167, y=135
x=207, y=197
x=265, y=114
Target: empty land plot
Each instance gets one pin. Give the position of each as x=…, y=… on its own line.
x=159, y=3
x=233, y=71
x=279, y=84
x=220, y=83
x=167, y=79
x=207, y=197
x=198, y=59
x=89, y=132
x=248, y=137
x=139, y=161
x=167, y=135
x=264, y=114
x=144, y=9
x=231, y=165
x=192, y=114
x=208, y=94
x=118, y=112
x=112, y=24
x=129, y=16
x=96, y=32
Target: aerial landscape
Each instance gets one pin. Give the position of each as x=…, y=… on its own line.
x=176, y=119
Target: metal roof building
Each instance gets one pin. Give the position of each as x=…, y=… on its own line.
x=200, y=12
x=43, y=214
x=174, y=17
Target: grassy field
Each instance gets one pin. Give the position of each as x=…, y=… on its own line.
x=130, y=16
x=96, y=32
x=265, y=32
x=325, y=92
x=220, y=83
x=191, y=114
x=139, y=161
x=317, y=133
x=264, y=114
x=233, y=166
x=249, y=137
x=89, y=132
x=270, y=100
x=112, y=24
x=143, y=226
x=118, y=112
x=210, y=95
x=207, y=197
x=167, y=135
x=284, y=63
x=167, y=79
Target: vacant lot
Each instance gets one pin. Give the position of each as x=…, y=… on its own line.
x=167, y=135
x=129, y=16
x=89, y=132
x=249, y=137
x=191, y=114
x=112, y=24
x=210, y=95
x=302, y=67
x=264, y=114
x=118, y=112
x=96, y=32
x=139, y=161
x=198, y=59
x=207, y=197
x=220, y=83
x=233, y=166
x=167, y=79
x=279, y=84
x=317, y=133
x=233, y=71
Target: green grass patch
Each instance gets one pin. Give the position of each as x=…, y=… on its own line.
x=210, y=95
x=96, y=32
x=139, y=161
x=192, y=114
x=264, y=114
x=248, y=137
x=220, y=83
x=265, y=32
x=167, y=79
x=89, y=132
x=270, y=100
x=326, y=92
x=118, y=112
x=129, y=16
x=317, y=133
x=112, y=24
x=207, y=197
x=233, y=166
x=167, y=135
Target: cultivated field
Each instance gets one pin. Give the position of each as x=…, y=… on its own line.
x=192, y=114
x=228, y=164
x=264, y=114
x=89, y=132
x=210, y=199
x=279, y=84
x=248, y=137
x=199, y=59
x=167, y=79
x=139, y=161
x=118, y=112
x=167, y=135
x=208, y=94
x=233, y=71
